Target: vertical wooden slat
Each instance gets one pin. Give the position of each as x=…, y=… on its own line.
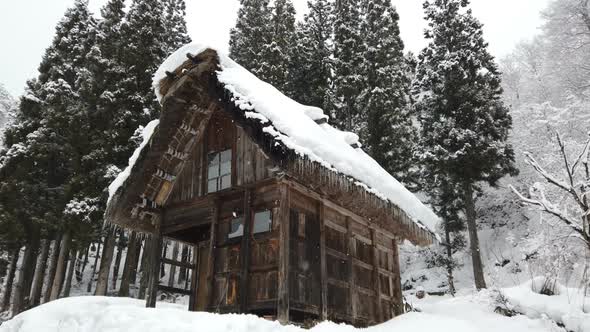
x=376, y=282
x=351, y=286
x=283, y=275
x=212, y=252
x=323, y=266
x=245, y=252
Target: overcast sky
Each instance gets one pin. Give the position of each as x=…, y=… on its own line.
x=27, y=27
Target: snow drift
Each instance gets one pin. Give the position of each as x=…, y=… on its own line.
x=467, y=313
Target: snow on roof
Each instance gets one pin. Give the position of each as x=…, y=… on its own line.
x=293, y=124
x=146, y=134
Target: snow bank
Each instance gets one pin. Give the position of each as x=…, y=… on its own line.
x=146, y=134
x=293, y=124
x=96, y=313
x=569, y=306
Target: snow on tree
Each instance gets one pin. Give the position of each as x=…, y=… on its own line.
x=50, y=130
x=277, y=54
x=7, y=105
x=311, y=68
x=554, y=65
x=250, y=35
x=347, y=58
x=464, y=123
x=176, y=25
x=389, y=134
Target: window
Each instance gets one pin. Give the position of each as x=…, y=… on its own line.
x=236, y=228
x=262, y=222
x=219, y=171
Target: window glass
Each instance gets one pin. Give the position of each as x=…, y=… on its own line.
x=262, y=222
x=219, y=171
x=236, y=228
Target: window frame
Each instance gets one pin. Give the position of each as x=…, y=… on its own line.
x=253, y=222
x=216, y=159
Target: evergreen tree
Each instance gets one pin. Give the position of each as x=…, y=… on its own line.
x=389, y=134
x=311, y=69
x=176, y=25
x=251, y=35
x=348, y=58
x=276, y=55
x=41, y=170
x=464, y=122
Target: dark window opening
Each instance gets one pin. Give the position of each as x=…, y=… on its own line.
x=236, y=228
x=219, y=171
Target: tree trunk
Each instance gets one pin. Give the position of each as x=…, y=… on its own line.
x=450, y=277
x=173, y=267
x=52, y=267
x=37, y=287
x=4, y=304
x=120, y=247
x=81, y=264
x=89, y=288
x=23, y=287
x=70, y=275
x=102, y=284
x=155, y=255
x=136, y=261
x=128, y=265
x=478, y=276
x=144, y=269
x=62, y=262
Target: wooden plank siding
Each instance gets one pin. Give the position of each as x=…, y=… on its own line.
x=318, y=261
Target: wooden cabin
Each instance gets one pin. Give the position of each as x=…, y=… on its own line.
x=275, y=233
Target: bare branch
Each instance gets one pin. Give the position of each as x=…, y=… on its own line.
x=562, y=185
x=549, y=208
x=565, y=160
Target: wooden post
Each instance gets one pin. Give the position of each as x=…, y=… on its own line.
x=376, y=279
x=245, y=253
x=397, y=289
x=351, y=244
x=283, y=287
x=154, y=268
x=323, y=266
x=211, y=259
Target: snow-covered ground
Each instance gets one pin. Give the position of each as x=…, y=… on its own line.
x=467, y=312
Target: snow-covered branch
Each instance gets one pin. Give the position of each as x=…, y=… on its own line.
x=550, y=208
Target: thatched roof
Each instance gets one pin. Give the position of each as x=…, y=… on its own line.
x=192, y=88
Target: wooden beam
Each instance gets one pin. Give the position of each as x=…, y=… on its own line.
x=245, y=253
x=174, y=290
x=323, y=266
x=211, y=258
x=376, y=280
x=177, y=263
x=284, y=248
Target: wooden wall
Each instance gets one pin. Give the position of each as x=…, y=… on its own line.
x=249, y=163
